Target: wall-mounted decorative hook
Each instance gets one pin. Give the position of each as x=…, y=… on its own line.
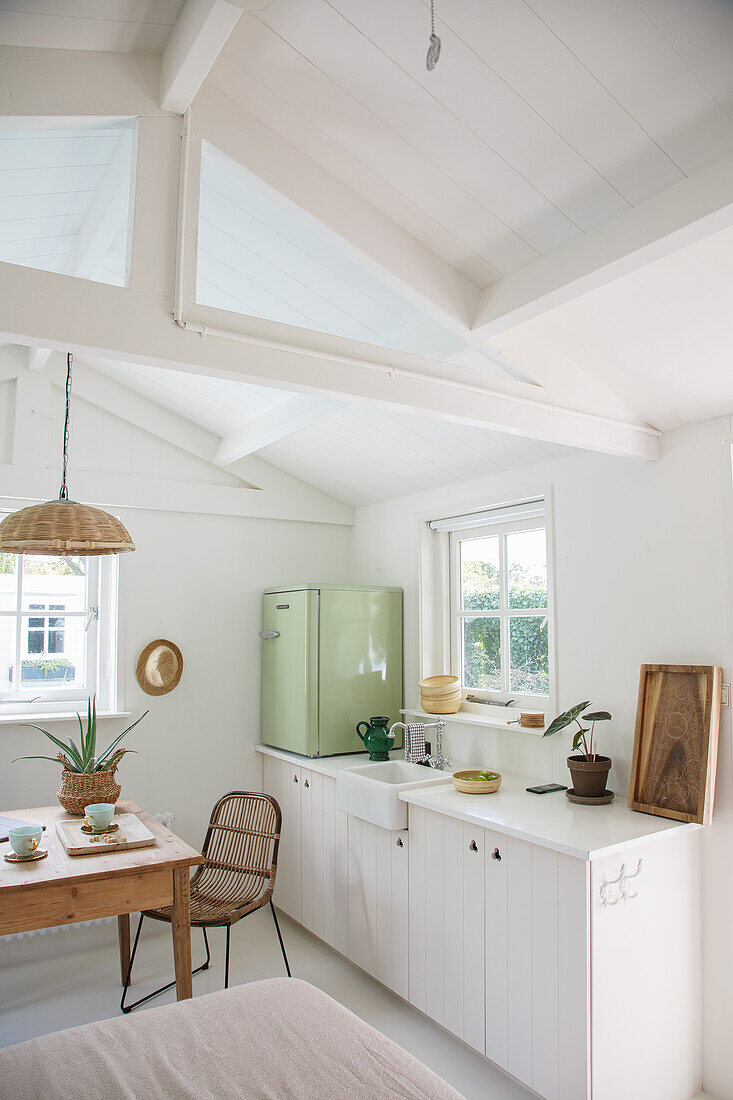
x=618, y=889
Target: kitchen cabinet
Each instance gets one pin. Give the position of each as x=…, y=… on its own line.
x=562, y=943
x=312, y=878
x=580, y=978
x=378, y=902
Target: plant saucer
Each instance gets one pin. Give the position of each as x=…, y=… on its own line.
x=112, y=828
x=40, y=853
x=601, y=800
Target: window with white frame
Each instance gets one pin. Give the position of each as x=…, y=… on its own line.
x=501, y=636
x=57, y=632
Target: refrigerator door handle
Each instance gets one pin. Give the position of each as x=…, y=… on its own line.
x=269, y=634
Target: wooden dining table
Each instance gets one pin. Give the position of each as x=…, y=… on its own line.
x=62, y=889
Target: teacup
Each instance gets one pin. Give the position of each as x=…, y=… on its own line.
x=24, y=840
x=99, y=816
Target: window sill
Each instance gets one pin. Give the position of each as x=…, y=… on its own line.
x=56, y=716
x=494, y=721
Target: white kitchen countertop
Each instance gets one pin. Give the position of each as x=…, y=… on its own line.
x=586, y=832
x=326, y=765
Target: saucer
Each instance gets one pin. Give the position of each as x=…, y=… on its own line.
x=91, y=832
x=40, y=853
x=603, y=800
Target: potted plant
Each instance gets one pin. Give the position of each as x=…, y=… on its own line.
x=86, y=776
x=589, y=770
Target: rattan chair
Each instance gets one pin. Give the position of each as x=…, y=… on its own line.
x=238, y=877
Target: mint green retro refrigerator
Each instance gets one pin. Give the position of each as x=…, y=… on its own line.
x=331, y=657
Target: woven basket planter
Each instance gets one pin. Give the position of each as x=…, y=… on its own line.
x=77, y=791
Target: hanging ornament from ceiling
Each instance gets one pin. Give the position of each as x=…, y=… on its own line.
x=434, y=48
x=62, y=527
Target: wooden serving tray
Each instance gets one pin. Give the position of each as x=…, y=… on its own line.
x=131, y=834
x=676, y=741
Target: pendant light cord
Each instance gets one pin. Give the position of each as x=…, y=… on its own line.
x=63, y=491
x=432, y=17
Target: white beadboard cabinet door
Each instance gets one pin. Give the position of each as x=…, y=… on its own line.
x=377, y=895
x=282, y=781
x=537, y=957
x=399, y=910
x=519, y=959
x=446, y=925
x=646, y=986
x=496, y=934
x=418, y=905
x=471, y=929
x=335, y=870
x=313, y=839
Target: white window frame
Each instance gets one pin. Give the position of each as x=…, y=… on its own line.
x=438, y=587
x=101, y=677
x=503, y=613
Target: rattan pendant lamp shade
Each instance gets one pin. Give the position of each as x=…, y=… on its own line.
x=63, y=527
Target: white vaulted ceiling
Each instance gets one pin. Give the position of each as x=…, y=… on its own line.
x=119, y=26
x=542, y=119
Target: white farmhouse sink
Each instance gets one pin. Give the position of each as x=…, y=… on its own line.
x=371, y=791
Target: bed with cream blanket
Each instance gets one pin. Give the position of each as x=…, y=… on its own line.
x=280, y=1039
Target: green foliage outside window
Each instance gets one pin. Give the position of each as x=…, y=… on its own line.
x=528, y=639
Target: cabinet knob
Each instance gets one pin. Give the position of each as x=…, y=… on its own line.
x=306, y=784
x=295, y=779
x=473, y=846
x=399, y=843
x=496, y=854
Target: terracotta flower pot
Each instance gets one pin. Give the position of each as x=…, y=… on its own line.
x=589, y=776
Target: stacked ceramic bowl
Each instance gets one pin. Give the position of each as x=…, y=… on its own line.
x=440, y=694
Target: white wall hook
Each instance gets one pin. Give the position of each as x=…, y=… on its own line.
x=618, y=889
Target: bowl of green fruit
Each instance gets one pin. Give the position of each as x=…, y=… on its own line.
x=477, y=782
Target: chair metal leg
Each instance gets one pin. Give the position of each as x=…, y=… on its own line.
x=226, y=965
x=279, y=936
x=128, y=1008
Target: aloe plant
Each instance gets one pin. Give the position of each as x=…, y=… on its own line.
x=82, y=759
x=575, y=714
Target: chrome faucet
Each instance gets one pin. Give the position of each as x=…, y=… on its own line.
x=438, y=761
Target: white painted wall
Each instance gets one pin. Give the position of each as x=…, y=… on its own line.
x=197, y=580
x=644, y=573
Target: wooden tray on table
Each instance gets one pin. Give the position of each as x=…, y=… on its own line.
x=131, y=834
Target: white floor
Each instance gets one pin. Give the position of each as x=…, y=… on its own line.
x=56, y=981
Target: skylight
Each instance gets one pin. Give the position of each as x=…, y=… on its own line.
x=65, y=198
x=259, y=255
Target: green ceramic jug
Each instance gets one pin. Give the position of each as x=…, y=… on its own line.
x=377, y=740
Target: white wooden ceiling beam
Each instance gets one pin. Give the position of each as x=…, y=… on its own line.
x=66, y=84
x=37, y=358
x=47, y=309
x=685, y=213
x=196, y=41
x=125, y=491
x=283, y=420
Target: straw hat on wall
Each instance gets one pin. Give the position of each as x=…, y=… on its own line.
x=159, y=667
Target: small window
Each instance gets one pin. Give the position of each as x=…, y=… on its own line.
x=57, y=632
x=500, y=610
